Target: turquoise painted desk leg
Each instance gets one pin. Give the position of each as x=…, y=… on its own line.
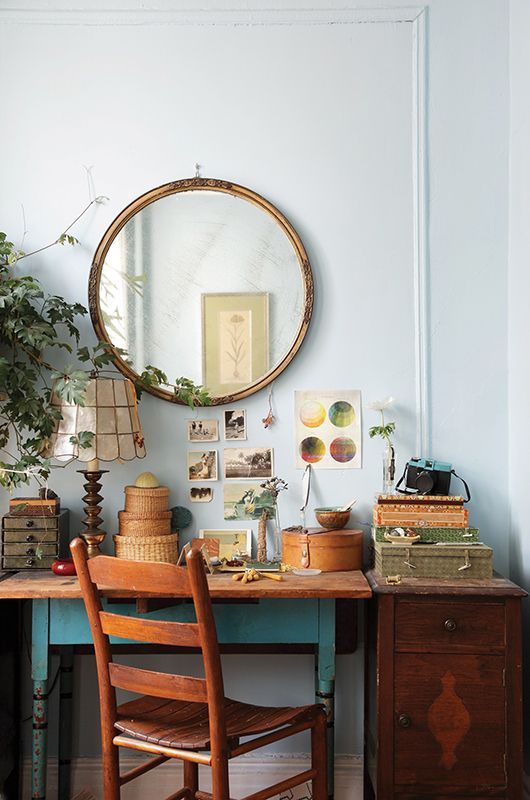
x=39, y=675
x=66, y=670
x=325, y=676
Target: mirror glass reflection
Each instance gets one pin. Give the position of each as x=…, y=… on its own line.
x=203, y=284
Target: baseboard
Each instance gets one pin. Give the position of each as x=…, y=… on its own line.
x=247, y=774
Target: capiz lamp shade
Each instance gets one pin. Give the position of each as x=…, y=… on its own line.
x=110, y=412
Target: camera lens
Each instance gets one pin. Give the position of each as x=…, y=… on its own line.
x=424, y=482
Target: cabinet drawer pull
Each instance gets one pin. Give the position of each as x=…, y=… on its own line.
x=30, y=551
x=30, y=538
x=29, y=523
x=404, y=721
x=450, y=625
x=30, y=562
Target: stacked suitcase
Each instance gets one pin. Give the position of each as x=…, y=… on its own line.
x=447, y=547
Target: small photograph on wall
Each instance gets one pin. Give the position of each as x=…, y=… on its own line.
x=226, y=543
x=202, y=465
x=235, y=424
x=235, y=340
x=247, y=463
x=201, y=494
x=203, y=430
x=328, y=429
x=247, y=501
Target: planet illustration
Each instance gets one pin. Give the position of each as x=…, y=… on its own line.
x=312, y=449
x=342, y=449
x=341, y=414
x=312, y=414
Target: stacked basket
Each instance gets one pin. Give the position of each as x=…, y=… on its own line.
x=145, y=525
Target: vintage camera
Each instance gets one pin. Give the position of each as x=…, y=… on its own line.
x=426, y=476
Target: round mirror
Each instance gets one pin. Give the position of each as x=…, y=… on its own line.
x=203, y=279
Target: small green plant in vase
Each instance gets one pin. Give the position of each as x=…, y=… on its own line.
x=385, y=431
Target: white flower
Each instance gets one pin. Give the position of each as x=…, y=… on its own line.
x=381, y=405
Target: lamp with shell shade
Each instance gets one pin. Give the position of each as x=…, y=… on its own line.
x=110, y=413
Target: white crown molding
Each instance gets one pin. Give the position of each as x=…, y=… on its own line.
x=247, y=774
x=412, y=15
x=190, y=16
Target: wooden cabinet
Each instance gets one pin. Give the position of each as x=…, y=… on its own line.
x=443, y=690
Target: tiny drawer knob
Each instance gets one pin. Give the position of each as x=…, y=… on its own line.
x=404, y=721
x=30, y=562
x=450, y=625
x=29, y=523
x=30, y=538
x=30, y=551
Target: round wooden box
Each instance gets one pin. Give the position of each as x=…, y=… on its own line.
x=146, y=501
x=318, y=548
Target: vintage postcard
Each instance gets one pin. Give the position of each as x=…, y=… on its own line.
x=228, y=543
x=202, y=465
x=235, y=424
x=201, y=494
x=247, y=501
x=203, y=430
x=247, y=463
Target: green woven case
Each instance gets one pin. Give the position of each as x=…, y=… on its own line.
x=430, y=561
x=431, y=534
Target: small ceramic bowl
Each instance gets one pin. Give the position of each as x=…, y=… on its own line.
x=331, y=518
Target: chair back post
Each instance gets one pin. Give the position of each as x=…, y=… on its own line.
x=107, y=693
x=213, y=674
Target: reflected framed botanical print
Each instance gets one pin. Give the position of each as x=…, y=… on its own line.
x=235, y=340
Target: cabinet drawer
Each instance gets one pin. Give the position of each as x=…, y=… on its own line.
x=25, y=549
x=449, y=626
x=30, y=536
x=39, y=523
x=27, y=562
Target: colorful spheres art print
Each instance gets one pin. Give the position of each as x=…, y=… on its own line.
x=312, y=414
x=342, y=449
x=341, y=414
x=312, y=449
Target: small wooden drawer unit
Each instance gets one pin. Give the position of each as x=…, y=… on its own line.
x=443, y=690
x=34, y=542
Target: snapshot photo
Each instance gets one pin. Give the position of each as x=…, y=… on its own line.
x=201, y=494
x=227, y=543
x=247, y=463
x=203, y=430
x=235, y=424
x=202, y=465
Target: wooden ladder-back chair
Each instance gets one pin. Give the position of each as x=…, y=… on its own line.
x=180, y=716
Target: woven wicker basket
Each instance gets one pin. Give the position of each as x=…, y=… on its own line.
x=148, y=548
x=159, y=524
x=146, y=501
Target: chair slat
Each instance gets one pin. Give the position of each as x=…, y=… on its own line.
x=139, y=576
x=158, y=684
x=177, y=634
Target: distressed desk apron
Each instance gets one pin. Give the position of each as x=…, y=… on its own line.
x=297, y=610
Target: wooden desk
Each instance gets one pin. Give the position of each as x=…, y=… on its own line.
x=274, y=614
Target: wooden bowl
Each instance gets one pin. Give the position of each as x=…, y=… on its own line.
x=331, y=518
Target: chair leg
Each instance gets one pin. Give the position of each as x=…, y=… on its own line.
x=220, y=783
x=111, y=772
x=191, y=777
x=319, y=759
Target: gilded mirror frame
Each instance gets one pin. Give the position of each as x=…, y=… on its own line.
x=192, y=185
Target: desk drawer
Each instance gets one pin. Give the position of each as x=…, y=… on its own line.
x=30, y=536
x=25, y=549
x=27, y=562
x=449, y=626
x=26, y=523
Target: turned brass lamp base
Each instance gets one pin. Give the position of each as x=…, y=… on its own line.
x=93, y=535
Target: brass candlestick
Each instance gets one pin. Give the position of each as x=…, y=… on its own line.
x=93, y=535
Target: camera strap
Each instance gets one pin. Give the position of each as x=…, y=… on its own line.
x=466, y=487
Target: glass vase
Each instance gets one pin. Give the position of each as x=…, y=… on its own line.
x=277, y=538
x=389, y=469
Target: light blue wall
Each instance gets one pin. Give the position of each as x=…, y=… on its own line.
x=80, y=96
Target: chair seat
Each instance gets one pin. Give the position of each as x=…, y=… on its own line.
x=184, y=725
